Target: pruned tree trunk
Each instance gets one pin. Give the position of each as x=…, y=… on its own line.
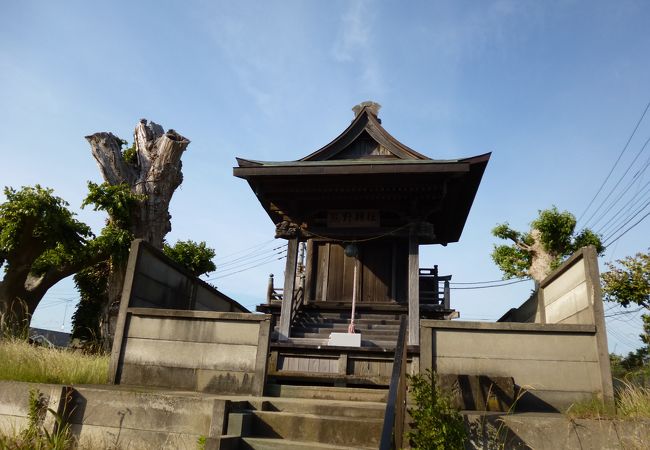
x=156, y=174
x=542, y=260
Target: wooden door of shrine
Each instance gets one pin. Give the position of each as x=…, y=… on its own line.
x=381, y=272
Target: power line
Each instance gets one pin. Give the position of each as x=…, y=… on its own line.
x=492, y=286
x=248, y=256
x=617, y=215
x=628, y=311
x=247, y=268
x=483, y=282
x=643, y=147
x=616, y=163
x=628, y=219
x=625, y=232
x=246, y=263
x=245, y=249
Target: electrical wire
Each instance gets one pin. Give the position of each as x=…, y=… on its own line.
x=619, y=180
x=616, y=163
x=482, y=282
x=247, y=268
x=627, y=230
x=491, y=286
x=628, y=219
x=245, y=249
x=613, y=221
x=248, y=263
x=629, y=311
x=249, y=256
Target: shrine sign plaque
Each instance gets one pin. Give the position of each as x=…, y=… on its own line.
x=352, y=218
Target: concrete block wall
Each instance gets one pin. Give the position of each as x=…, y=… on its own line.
x=557, y=365
x=114, y=417
x=571, y=294
x=559, y=355
x=203, y=351
x=155, y=281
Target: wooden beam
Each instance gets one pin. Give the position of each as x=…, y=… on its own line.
x=414, y=291
x=289, y=287
x=304, y=169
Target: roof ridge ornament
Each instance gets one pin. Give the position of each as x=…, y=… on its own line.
x=373, y=107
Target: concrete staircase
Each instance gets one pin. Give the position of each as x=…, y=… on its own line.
x=311, y=417
x=313, y=325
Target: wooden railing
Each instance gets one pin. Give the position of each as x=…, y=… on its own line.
x=392, y=434
x=434, y=289
x=274, y=294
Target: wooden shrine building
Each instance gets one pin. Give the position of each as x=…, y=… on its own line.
x=363, y=203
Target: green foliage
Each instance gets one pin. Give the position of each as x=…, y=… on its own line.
x=92, y=284
x=195, y=256
x=117, y=200
x=34, y=221
x=513, y=261
x=628, y=281
x=555, y=231
x=436, y=423
x=130, y=154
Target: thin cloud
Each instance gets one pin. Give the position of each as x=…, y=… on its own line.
x=354, y=44
x=354, y=36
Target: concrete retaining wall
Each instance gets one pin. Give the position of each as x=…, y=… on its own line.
x=559, y=361
x=113, y=417
x=193, y=350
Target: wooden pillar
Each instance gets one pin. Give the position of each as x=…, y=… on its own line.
x=414, y=290
x=309, y=272
x=289, y=287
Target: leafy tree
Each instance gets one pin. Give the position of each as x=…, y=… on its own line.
x=40, y=244
x=627, y=282
x=195, y=256
x=552, y=238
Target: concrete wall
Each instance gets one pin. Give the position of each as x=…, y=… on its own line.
x=559, y=361
x=527, y=312
x=113, y=417
x=155, y=281
x=556, y=364
x=193, y=350
x=571, y=294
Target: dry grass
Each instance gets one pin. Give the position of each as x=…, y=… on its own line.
x=20, y=361
x=632, y=402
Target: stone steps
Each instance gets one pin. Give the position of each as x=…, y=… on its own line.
x=368, y=335
x=327, y=393
x=340, y=408
x=324, y=341
x=344, y=326
x=333, y=430
x=313, y=417
x=280, y=444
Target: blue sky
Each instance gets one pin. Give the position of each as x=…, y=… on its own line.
x=553, y=89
